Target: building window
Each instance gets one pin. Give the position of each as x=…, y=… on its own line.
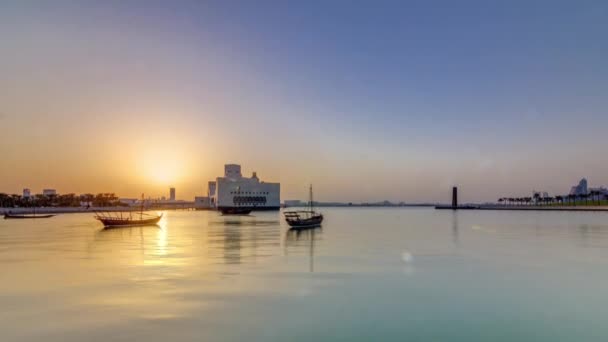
x=249, y=200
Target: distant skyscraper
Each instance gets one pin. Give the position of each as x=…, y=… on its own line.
x=172, y=194
x=580, y=189
x=26, y=193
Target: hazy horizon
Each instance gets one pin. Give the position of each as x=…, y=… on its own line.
x=371, y=101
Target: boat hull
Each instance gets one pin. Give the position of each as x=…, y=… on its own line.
x=251, y=208
x=115, y=222
x=301, y=223
x=235, y=210
x=13, y=216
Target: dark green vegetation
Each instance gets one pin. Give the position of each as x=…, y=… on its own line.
x=65, y=200
x=593, y=198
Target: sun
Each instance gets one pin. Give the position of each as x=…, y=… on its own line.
x=162, y=166
x=163, y=172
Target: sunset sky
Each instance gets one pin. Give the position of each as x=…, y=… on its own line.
x=367, y=100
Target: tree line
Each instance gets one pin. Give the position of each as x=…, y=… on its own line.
x=594, y=196
x=65, y=200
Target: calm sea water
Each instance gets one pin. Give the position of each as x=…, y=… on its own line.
x=369, y=274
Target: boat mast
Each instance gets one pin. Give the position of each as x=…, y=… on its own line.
x=141, y=212
x=310, y=203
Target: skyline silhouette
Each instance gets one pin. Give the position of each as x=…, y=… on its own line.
x=376, y=101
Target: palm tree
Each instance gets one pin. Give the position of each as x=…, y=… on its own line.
x=500, y=200
x=16, y=199
x=4, y=200
x=586, y=198
x=595, y=193
x=559, y=199
x=572, y=198
x=536, y=197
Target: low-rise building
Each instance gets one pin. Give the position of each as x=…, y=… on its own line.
x=49, y=192
x=603, y=192
x=202, y=202
x=129, y=201
x=293, y=203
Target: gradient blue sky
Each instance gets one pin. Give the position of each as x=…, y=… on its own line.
x=368, y=100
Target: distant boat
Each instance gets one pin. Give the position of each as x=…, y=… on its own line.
x=236, y=211
x=300, y=219
x=26, y=216
x=118, y=220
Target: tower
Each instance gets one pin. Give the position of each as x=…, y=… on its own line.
x=232, y=171
x=172, y=194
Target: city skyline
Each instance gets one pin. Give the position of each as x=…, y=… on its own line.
x=581, y=188
x=380, y=101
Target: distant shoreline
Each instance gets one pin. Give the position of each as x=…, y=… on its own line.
x=527, y=208
x=70, y=210
x=359, y=205
x=92, y=210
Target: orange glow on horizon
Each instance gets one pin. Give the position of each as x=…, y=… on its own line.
x=164, y=165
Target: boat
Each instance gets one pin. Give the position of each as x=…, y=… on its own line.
x=119, y=220
x=236, y=210
x=26, y=216
x=301, y=219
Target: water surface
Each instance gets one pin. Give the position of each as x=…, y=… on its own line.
x=368, y=274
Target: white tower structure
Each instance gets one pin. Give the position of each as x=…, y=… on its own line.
x=234, y=190
x=232, y=171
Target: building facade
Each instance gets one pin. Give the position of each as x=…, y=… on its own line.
x=172, y=194
x=234, y=190
x=580, y=189
x=27, y=193
x=202, y=202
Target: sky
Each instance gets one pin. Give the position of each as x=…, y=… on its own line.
x=367, y=100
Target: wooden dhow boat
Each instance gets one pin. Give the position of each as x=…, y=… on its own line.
x=110, y=220
x=120, y=221
x=301, y=219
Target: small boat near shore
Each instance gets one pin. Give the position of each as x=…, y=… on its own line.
x=26, y=216
x=303, y=219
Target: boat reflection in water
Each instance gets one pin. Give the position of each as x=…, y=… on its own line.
x=245, y=239
x=300, y=241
